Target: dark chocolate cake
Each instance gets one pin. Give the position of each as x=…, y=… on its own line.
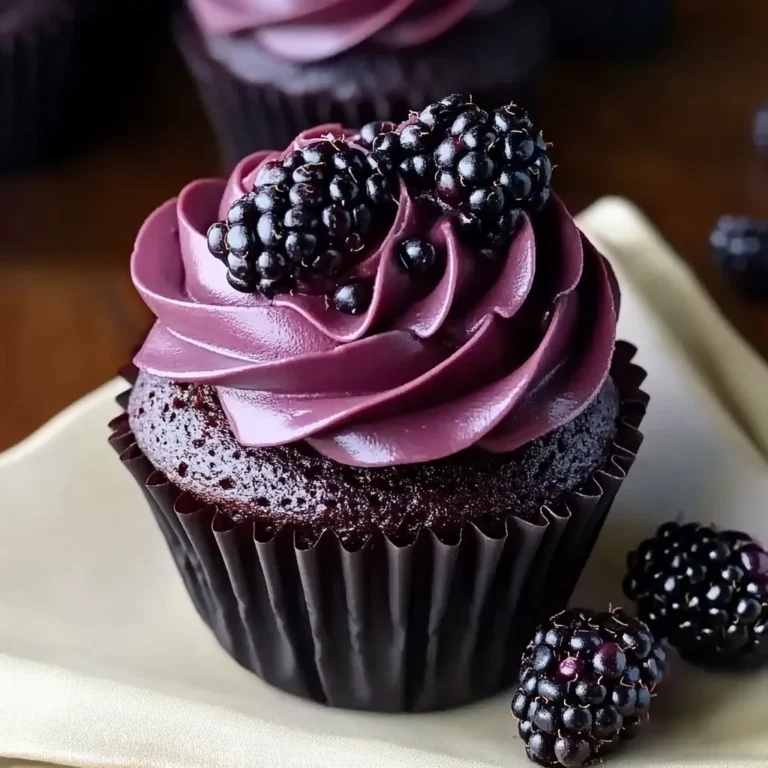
x=185, y=434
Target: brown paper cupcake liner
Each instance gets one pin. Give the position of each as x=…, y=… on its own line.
x=252, y=114
x=391, y=628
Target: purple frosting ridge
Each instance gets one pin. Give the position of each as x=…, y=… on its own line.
x=490, y=357
x=311, y=30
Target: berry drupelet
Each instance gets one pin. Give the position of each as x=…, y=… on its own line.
x=706, y=591
x=353, y=297
x=586, y=683
x=488, y=166
x=417, y=257
x=740, y=245
x=307, y=218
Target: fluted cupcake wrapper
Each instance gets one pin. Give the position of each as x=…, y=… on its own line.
x=252, y=114
x=425, y=626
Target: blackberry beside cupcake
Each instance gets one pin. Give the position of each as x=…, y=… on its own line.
x=384, y=495
x=266, y=72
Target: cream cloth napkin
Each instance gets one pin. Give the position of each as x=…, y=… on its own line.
x=103, y=661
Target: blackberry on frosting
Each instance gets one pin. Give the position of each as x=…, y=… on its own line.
x=353, y=297
x=306, y=218
x=311, y=215
x=487, y=166
x=417, y=257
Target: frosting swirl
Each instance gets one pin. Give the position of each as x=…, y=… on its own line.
x=489, y=357
x=310, y=30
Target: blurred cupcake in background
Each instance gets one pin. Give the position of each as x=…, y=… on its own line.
x=267, y=70
x=610, y=27
x=50, y=53
x=39, y=71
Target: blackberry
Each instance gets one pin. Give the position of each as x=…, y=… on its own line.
x=470, y=161
x=369, y=133
x=273, y=173
x=354, y=297
x=706, y=591
x=386, y=142
x=306, y=218
x=740, y=245
x=586, y=683
x=760, y=128
x=417, y=170
x=418, y=257
x=217, y=234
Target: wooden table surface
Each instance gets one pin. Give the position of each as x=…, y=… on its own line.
x=671, y=132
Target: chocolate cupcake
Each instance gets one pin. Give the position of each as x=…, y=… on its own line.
x=380, y=420
x=266, y=73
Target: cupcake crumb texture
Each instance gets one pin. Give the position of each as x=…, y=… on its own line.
x=295, y=484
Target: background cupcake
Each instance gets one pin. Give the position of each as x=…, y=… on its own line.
x=381, y=416
x=39, y=72
x=265, y=73
x=64, y=69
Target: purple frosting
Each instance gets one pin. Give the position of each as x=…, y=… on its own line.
x=310, y=30
x=492, y=358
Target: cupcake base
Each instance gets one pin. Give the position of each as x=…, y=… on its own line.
x=255, y=101
x=388, y=628
x=183, y=430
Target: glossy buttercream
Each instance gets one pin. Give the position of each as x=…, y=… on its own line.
x=311, y=30
x=491, y=356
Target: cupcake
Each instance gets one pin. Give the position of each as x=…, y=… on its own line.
x=50, y=51
x=265, y=72
x=38, y=76
x=382, y=414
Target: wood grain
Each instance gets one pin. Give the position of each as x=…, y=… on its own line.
x=671, y=132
